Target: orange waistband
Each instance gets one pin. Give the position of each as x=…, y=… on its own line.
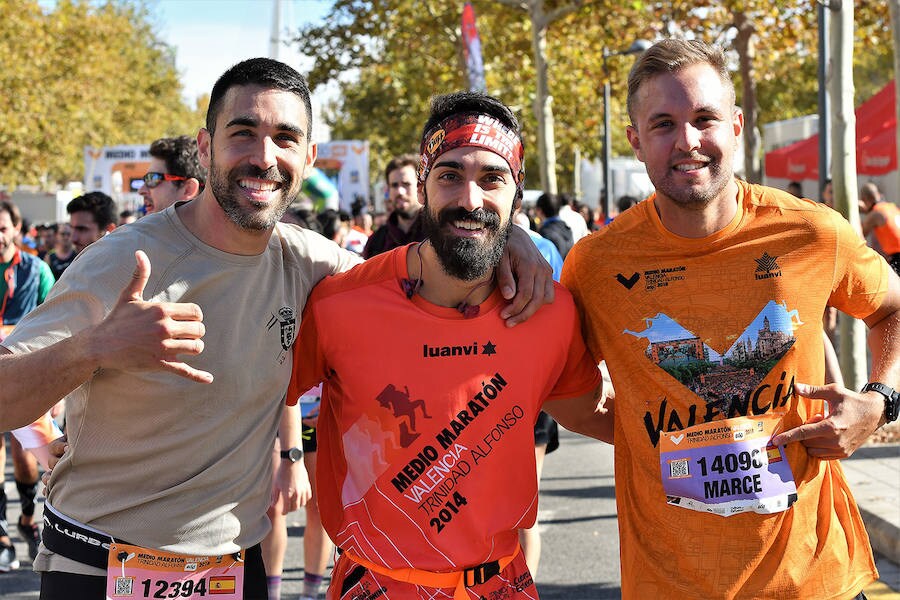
x=455, y=579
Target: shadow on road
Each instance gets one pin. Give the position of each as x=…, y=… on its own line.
x=578, y=592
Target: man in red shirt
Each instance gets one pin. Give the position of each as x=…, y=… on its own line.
x=426, y=445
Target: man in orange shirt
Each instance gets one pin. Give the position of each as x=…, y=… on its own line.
x=426, y=446
x=883, y=219
x=706, y=302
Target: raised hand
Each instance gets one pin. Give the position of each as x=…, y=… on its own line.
x=149, y=335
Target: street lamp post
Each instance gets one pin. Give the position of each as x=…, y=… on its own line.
x=636, y=47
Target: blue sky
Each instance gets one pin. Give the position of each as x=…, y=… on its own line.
x=211, y=35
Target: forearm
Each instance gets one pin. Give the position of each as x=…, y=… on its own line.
x=33, y=382
x=884, y=345
x=289, y=427
x=590, y=414
x=884, y=337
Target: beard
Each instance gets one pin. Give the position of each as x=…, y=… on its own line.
x=408, y=213
x=467, y=259
x=255, y=216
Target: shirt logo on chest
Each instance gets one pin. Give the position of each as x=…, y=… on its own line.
x=767, y=267
x=286, y=319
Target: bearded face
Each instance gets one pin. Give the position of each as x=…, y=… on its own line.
x=466, y=258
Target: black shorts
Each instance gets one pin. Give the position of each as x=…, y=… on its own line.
x=308, y=437
x=546, y=431
x=894, y=261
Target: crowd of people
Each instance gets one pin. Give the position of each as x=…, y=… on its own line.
x=439, y=345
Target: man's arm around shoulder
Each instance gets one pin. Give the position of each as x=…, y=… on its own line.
x=590, y=414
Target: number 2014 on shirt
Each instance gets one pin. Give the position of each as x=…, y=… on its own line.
x=451, y=508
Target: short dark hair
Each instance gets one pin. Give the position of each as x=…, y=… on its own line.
x=671, y=56
x=446, y=105
x=14, y=215
x=265, y=72
x=398, y=162
x=101, y=206
x=329, y=221
x=549, y=204
x=626, y=202
x=181, y=157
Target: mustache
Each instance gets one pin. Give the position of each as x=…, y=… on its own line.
x=271, y=174
x=489, y=219
x=691, y=156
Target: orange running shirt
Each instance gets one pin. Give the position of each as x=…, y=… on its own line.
x=700, y=330
x=426, y=441
x=888, y=235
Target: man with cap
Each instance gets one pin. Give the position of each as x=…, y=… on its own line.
x=426, y=445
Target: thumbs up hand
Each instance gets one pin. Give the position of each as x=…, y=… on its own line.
x=144, y=335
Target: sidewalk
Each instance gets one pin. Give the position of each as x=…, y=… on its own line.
x=874, y=476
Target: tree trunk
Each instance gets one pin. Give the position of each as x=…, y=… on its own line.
x=543, y=110
x=843, y=152
x=745, y=44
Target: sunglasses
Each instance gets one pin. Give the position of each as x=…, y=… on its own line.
x=151, y=180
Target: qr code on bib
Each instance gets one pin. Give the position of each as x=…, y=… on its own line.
x=124, y=586
x=679, y=468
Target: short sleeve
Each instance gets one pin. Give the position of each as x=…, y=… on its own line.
x=861, y=274
x=309, y=368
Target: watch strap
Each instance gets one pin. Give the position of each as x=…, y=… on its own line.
x=292, y=454
x=891, y=399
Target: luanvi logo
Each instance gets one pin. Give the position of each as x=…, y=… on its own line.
x=473, y=349
x=628, y=282
x=766, y=267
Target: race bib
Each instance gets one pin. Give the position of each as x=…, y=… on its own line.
x=727, y=467
x=135, y=572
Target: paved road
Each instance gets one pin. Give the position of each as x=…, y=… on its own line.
x=580, y=559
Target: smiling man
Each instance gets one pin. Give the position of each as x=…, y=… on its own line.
x=426, y=447
x=175, y=378
x=706, y=301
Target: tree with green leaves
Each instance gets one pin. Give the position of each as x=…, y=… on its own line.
x=81, y=74
x=390, y=56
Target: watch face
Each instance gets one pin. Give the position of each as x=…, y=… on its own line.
x=295, y=454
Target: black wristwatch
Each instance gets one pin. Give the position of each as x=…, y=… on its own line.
x=292, y=454
x=891, y=399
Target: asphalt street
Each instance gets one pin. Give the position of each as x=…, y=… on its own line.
x=580, y=558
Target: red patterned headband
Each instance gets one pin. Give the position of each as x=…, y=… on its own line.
x=473, y=129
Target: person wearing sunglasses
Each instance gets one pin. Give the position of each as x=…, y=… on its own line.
x=174, y=175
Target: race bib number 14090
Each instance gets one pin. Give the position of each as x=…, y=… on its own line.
x=727, y=467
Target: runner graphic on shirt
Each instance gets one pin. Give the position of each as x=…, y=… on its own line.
x=400, y=403
x=386, y=433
